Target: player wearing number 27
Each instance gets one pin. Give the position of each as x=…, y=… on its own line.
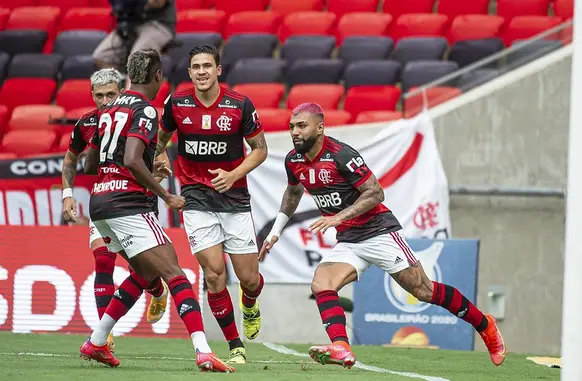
x=350, y=199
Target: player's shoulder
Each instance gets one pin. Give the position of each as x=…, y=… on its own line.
x=339, y=149
x=234, y=97
x=294, y=157
x=89, y=119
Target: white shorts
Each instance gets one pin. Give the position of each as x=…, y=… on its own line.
x=93, y=233
x=206, y=229
x=390, y=252
x=132, y=234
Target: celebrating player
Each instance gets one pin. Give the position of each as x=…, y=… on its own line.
x=105, y=87
x=212, y=125
x=121, y=210
x=350, y=199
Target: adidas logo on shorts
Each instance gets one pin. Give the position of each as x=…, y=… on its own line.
x=398, y=260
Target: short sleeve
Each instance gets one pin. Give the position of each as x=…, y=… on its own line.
x=251, y=125
x=291, y=178
x=168, y=122
x=352, y=167
x=144, y=124
x=77, y=143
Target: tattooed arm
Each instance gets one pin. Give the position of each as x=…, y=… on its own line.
x=371, y=195
x=163, y=138
x=258, y=154
x=291, y=199
x=69, y=171
x=91, y=161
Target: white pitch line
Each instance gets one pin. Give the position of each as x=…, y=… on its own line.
x=288, y=351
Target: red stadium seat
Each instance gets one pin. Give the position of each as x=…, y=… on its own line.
x=509, y=9
x=307, y=23
x=274, y=119
x=234, y=6
x=87, y=18
x=453, y=8
x=63, y=145
x=333, y=118
x=524, y=27
x=363, y=24
x=474, y=27
x=75, y=93
x=200, y=20
x=64, y=4
x=13, y=4
x=7, y=155
x=99, y=3
x=417, y=25
x=434, y=96
x=184, y=5
x=263, y=95
x=378, y=116
x=341, y=7
x=252, y=22
x=35, y=117
x=162, y=94
x=399, y=7
x=25, y=142
x=3, y=119
x=4, y=14
x=183, y=86
x=76, y=113
x=371, y=98
x=26, y=91
x=564, y=9
x=285, y=7
x=41, y=18
x=327, y=96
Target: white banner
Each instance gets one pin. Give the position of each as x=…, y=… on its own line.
x=405, y=159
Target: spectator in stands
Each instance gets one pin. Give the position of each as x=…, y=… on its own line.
x=141, y=24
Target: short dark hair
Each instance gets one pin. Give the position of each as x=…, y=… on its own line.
x=205, y=49
x=142, y=66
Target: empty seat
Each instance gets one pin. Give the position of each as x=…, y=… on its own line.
x=363, y=24
x=256, y=70
x=419, y=48
x=63, y=143
x=235, y=6
x=36, y=117
x=7, y=155
x=307, y=23
x=434, y=96
x=99, y=3
x=78, y=42
x=314, y=71
x=508, y=9
x=4, y=60
x=564, y=9
x=365, y=48
x=38, y=18
x=77, y=113
x=24, y=142
x=86, y=18
x=247, y=46
x=263, y=95
x=252, y=22
x=180, y=73
x=378, y=116
x=372, y=72
x=530, y=50
x=3, y=119
x=22, y=41
x=64, y=4
x=188, y=40
x=200, y=20
x=453, y=8
x=284, y=7
x=524, y=27
x=475, y=78
x=162, y=94
x=182, y=5
x=273, y=119
x=12, y=4
x=398, y=7
x=341, y=7
x=418, y=73
x=75, y=93
x=472, y=27
x=469, y=51
x=35, y=65
x=305, y=47
x=78, y=67
x=371, y=98
x=27, y=91
x=327, y=96
x=419, y=25
x=333, y=118
x=4, y=14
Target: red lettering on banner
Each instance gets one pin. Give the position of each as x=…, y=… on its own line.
x=307, y=236
x=46, y=283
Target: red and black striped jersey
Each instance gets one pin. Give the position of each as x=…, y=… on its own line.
x=332, y=178
x=211, y=138
x=83, y=132
x=116, y=193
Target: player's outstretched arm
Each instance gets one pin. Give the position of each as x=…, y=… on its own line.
x=371, y=195
x=69, y=171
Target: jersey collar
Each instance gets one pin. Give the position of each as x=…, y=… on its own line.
x=212, y=106
x=320, y=153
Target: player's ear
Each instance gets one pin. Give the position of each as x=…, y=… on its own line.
x=320, y=128
x=219, y=70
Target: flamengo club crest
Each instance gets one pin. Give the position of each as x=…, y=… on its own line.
x=324, y=176
x=224, y=122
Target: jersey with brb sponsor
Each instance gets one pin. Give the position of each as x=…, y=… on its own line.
x=211, y=138
x=332, y=178
x=116, y=193
x=83, y=132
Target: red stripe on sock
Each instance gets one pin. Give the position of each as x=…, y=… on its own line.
x=183, y=294
x=249, y=298
x=221, y=306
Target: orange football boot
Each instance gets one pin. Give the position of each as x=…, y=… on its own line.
x=338, y=353
x=494, y=341
x=100, y=354
x=209, y=362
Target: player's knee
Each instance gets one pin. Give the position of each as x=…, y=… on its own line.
x=250, y=280
x=423, y=290
x=214, y=278
x=320, y=284
x=104, y=261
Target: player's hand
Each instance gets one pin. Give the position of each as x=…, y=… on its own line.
x=176, y=202
x=69, y=209
x=161, y=171
x=267, y=246
x=223, y=180
x=324, y=223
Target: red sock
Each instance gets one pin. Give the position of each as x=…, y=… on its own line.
x=103, y=286
x=249, y=298
x=156, y=288
x=222, y=309
x=186, y=303
x=332, y=315
x=452, y=300
x=126, y=295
